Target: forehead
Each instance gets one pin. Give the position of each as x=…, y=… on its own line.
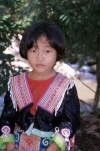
x=42, y=39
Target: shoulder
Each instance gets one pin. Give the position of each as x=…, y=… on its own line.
x=17, y=75
x=63, y=77
x=68, y=81
x=15, y=78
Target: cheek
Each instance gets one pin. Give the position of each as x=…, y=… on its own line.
x=29, y=56
x=55, y=57
x=52, y=59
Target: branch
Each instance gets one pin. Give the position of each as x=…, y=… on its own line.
x=85, y=84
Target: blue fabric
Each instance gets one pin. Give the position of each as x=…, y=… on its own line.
x=45, y=142
x=17, y=134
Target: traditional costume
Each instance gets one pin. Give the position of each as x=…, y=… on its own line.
x=33, y=121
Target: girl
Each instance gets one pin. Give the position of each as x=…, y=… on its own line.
x=42, y=104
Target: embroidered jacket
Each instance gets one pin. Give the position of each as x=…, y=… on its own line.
x=58, y=111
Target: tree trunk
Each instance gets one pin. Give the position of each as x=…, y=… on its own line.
x=97, y=94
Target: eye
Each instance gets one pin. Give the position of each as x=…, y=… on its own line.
x=47, y=51
x=34, y=50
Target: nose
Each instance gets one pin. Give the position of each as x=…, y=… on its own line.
x=40, y=56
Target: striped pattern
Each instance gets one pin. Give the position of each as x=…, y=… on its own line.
x=21, y=90
x=54, y=93
x=50, y=99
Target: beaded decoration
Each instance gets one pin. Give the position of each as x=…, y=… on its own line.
x=5, y=130
x=65, y=132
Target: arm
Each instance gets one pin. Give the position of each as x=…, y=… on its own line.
x=69, y=122
x=7, y=124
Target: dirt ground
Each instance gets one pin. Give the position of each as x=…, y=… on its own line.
x=88, y=134
x=84, y=93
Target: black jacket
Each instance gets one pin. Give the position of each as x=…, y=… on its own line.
x=68, y=115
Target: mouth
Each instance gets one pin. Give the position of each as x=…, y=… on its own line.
x=40, y=65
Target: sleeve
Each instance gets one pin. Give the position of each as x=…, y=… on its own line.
x=69, y=122
x=7, y=121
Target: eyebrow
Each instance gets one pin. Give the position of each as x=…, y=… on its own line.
x=48, y=46
x=35, y=45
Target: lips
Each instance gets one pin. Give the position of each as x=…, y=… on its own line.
x=40, y=65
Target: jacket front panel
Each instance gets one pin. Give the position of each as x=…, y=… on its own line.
x=65, y=114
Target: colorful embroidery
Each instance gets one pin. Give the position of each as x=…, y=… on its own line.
x=17, y=135
x=45, y=142
x=21, y=94
x=20, y=91
x=31, y=143
x=55, y=93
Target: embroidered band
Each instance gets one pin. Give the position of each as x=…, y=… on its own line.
x=20, y=91
x=51, y=100
x=55, y=93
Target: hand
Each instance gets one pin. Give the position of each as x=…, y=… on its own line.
x=53, y=147
x=14, y=149
x=10, y=146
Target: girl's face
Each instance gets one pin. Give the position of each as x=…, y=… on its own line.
x=42, y=56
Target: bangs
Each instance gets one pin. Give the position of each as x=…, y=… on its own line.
x=33, y=40
x=52, y=33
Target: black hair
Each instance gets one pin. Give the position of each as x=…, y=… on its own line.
x=51, y=31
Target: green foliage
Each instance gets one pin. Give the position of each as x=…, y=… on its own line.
x=79, y=21
x=10, y=25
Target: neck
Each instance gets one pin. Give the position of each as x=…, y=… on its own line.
x=40, y=76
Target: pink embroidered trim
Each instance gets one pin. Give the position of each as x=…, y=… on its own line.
x=54, y=93
x=21, y=91
x=49, y=101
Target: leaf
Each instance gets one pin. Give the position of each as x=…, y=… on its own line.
x=67, y=21
x=2, y=48
x=5, y=17
x=3, y=89
x=6, y=56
